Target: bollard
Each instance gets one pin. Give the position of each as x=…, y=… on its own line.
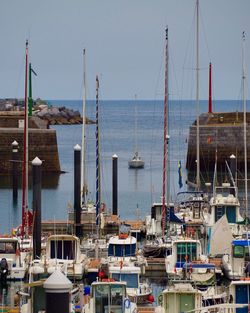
x=115, y=184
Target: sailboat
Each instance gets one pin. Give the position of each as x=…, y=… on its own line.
x=136, y=161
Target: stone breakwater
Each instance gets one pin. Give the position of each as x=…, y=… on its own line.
x=221, y=135
x=53, y=115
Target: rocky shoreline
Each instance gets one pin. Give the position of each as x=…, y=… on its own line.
x=54, y=115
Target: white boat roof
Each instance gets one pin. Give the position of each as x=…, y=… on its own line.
x=219, y=306
x=8, y=239
x=180, y=240
x=118, y=241
x=63, y=237
x=240, y=282
x=125, y=270
x=96, y=283
x=181, y=288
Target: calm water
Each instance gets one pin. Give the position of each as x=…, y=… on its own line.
x=137, y=188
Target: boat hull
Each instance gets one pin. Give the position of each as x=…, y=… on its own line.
x=136, y=164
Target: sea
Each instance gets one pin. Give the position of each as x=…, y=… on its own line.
x=125, y=125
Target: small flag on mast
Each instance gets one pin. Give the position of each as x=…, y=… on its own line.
x=180, y=174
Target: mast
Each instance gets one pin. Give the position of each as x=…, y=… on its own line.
x=245, y=120
x=98, y=189
x=25, y=150
x=210, y=89
x=136, y=143
x=83, y=161
x=165, y=143
x=197, y=100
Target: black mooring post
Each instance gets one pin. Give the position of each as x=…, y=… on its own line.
x=37, y=219
x=14, y=171
x=77, y=190
x=115, y=184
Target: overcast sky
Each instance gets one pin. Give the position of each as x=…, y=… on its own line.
x=124, y=41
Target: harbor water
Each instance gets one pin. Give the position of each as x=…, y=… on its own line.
x=137, y=189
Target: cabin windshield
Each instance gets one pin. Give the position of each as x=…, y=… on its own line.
x=230, y=212
x=186, y=251
x=238, y=251
x=130, y=279
x=62, y=249
x=8, y=247
x=121, y=250
x=109, y=298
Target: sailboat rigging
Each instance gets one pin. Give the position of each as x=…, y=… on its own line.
x=28, y=102
x=136, y=161
x=197, y=101
x=98, y=180
x=245, y=120
x=25, y=150
x=83, y=156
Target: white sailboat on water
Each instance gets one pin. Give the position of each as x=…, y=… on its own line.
x=136, y=161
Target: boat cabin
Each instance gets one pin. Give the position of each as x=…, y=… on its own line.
x=183, y=251
x=109, y=297
x=225, y=201
x=10, y=254
x=240, y=294
x=129, y=274
x=236, y=261
x=63, y=247
x=122, y=246
x=181, y=298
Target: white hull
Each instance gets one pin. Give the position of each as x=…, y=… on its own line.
x=136, y=164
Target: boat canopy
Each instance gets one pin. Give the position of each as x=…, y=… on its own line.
x=242, y=243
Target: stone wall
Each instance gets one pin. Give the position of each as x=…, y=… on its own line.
x=42, y=144
x=222, y=133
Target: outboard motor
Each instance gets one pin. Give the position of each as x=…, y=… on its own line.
x=3, y=270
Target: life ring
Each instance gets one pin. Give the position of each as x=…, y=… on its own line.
x=160, y=298
x=127, y=303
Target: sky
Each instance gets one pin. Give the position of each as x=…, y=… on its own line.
x=124, y=42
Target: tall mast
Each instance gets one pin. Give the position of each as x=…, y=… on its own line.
x=98, y=192
x=210, y=110
x=197, y=100
x=136, y=144
x=25, y=149
x=245, y=120
x=83, y=161
x=165, y=143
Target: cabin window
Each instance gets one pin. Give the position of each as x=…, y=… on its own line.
x=101, y=298
x=247, y=253
x=108, y=297
x=121, y=250
x=219, y=212
x=238, y=251
x=186, y=251
x=230, y=212
x=7, y=247
x=131, y=279
x=62, y=249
